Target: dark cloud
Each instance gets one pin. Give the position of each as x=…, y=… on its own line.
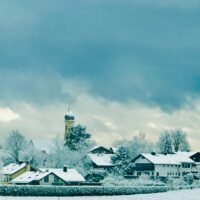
x=125, y=49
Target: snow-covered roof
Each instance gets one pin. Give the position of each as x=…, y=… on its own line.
x=25, y=178
x=101, y=159
x=174, y=159
x=114, y=149
x=13, y=168
x=187, y=154
x=69, y=113
x=70, y=176
x=99, y=147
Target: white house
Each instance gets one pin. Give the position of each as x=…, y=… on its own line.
x=101, y=157
x=50, y=177
x=160, y=165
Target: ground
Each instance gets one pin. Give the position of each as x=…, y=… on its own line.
x=172, y=195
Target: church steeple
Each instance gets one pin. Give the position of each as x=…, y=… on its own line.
x=69, y=121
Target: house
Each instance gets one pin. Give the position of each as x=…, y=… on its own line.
x=161, y=165
x=50, y=177
x=100, y=150
x=195, y=156
x=101, y=161
x=101, y=157
x=14, y=170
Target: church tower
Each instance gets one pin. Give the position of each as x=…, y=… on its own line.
x=69, y=121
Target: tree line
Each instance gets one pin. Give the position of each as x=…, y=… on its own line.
x=72, y=150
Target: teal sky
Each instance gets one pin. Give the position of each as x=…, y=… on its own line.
x=116, y=52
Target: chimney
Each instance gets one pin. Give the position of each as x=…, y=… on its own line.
x=21, y=162
x=64, y=168
x=153, y=153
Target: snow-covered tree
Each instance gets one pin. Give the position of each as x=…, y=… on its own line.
x=122, y=162
x=138, y=144
x=179, y=141
x=58, y=154
x=173, y=140
x=32, y=155
x=95, y=176
x=15, y=144
x=1, y=165
x=61, y=155
x=165, y=143
x=77, y=138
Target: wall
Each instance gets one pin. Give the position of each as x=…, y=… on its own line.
x=167, y=170
x=51, y=181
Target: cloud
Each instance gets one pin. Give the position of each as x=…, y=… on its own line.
x=125, y=49
x=105, y=119
x=7, y=115
x=123, y=66
x=181, y=4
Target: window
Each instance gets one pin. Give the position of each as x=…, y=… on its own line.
x=186, y=165
x=46, y=179
x=56, y=179
x=139, y=173
x=157, y=173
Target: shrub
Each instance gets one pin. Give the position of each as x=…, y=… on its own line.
x=76, y=190
x=121, y=181
x=95, y=176
x=189, y=179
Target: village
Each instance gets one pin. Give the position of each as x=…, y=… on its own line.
x=152, y=165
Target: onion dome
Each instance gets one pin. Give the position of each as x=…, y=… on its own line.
x=69, y=115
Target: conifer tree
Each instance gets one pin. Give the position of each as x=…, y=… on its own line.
x=77, y=138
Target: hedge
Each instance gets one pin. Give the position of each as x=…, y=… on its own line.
x=77, y=190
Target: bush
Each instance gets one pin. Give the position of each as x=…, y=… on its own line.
x=189, y=179
x=121, y=181
x=77, y=190
x=95, y=176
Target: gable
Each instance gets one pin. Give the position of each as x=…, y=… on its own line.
x=141, y=159
x=196, y=157
x=101, y=150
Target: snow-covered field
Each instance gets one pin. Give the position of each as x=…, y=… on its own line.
x=172, y=195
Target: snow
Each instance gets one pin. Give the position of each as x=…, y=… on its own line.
x=101, y=159
x=94, y=148
x=98, y=147
x=70, y=176
x=172, y=195
x=174, y=159
x=69, y=113
x=25, y=178
x=12, y=168
x=114, y=149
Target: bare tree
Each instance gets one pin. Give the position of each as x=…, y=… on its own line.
x=179, y=141
x=14, y=144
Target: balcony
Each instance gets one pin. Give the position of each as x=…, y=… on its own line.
x=144, y=167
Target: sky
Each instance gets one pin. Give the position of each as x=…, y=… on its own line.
x=123, y=67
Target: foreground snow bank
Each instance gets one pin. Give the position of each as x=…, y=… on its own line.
x=77, y=190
